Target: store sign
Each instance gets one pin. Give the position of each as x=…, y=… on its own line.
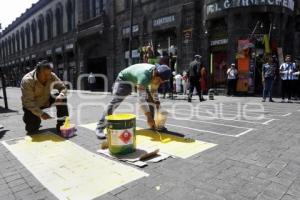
x=226, y=4
x=218, y=42
x=58, y=50
x=164, y=20
x=69, y=46
x=126, y=30
x=48, y=52
x=135, y=54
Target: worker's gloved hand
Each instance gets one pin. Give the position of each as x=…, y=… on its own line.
x=157, y=104
x=150, y=120
x=60, y=98
x=45, y=116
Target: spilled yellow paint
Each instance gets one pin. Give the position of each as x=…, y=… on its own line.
x=176, y=146
x=68, y=170
x=166, y=143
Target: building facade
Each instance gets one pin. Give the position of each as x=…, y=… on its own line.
x=83, y=36
x=47, y=30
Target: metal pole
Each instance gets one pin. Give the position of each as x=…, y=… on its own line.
x=131, y=33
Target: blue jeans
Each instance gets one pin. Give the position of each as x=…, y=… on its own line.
x=268, y=88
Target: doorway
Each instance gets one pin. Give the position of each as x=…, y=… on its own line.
x=98, y=66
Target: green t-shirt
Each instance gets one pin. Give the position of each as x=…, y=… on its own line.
x=138, y=74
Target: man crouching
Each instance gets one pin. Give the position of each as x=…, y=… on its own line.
x=36, y=89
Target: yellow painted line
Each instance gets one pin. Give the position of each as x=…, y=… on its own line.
x=176, y=146
x=67, y=170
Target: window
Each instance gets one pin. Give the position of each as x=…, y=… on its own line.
x=23, y=38
x=70, y=15
x=97, y=7
x=13, y=41
x=27, y=33
x=9, y=46
x=127, y=4
x=6, y=47
x=18, y=41
x=59, y=19
x=33, y=30
x=41, y=28
x=49, y=25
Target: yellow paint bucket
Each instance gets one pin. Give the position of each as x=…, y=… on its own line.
x=121, y=133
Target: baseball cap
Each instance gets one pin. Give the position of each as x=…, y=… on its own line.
x=163, y=71
x=232, y=64
x=198, y=56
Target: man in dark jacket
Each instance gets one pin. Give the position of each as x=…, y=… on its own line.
x=194, y=78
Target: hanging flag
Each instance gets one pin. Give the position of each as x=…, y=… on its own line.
x=266, y=42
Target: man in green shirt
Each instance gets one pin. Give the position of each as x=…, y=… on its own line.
x=147, y=78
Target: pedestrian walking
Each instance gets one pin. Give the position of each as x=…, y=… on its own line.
x=203, y=79
x=36, y=87
x=286, y=72
x=185, y=82
x=268, y=74
x=194, y=78
x=147, y=78
x=178, y=82
x=232, y=75
x=91, y=81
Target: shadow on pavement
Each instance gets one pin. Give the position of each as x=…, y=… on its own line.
x=3, y=110
x=2, y=133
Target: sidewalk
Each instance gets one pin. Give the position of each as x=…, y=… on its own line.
x=254, y=158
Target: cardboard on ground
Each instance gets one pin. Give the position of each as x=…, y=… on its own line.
x=67, y=170
x=176, y=146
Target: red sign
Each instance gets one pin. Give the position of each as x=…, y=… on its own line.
x=125, y=136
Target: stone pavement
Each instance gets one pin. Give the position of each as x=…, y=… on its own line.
x=257, y=156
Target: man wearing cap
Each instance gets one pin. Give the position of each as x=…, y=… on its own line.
x=147, y=78
x=36, y=89
x=193, y=73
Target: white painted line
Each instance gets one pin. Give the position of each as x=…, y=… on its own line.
x=194, y=129
x=243, y=133
x=267, y=122
x=226, y=119
x=287, y=114
x=206, y=122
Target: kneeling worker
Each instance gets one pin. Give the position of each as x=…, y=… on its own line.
x=36, y=89
x=147, y=78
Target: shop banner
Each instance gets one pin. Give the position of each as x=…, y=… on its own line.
x=227, y=4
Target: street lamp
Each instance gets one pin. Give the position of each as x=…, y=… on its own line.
x=131, y=33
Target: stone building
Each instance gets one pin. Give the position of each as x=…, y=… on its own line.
x=47, y=30
x=82, y=36
x=243, y=31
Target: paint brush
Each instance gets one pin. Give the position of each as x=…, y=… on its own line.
x=166, y=140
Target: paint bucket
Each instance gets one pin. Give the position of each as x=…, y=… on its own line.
x=68, y=132
x=121, y=133
x=160, y=118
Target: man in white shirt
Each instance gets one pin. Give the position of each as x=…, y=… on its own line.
x=286, y=71
x=231, y=79
x=91, y=81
